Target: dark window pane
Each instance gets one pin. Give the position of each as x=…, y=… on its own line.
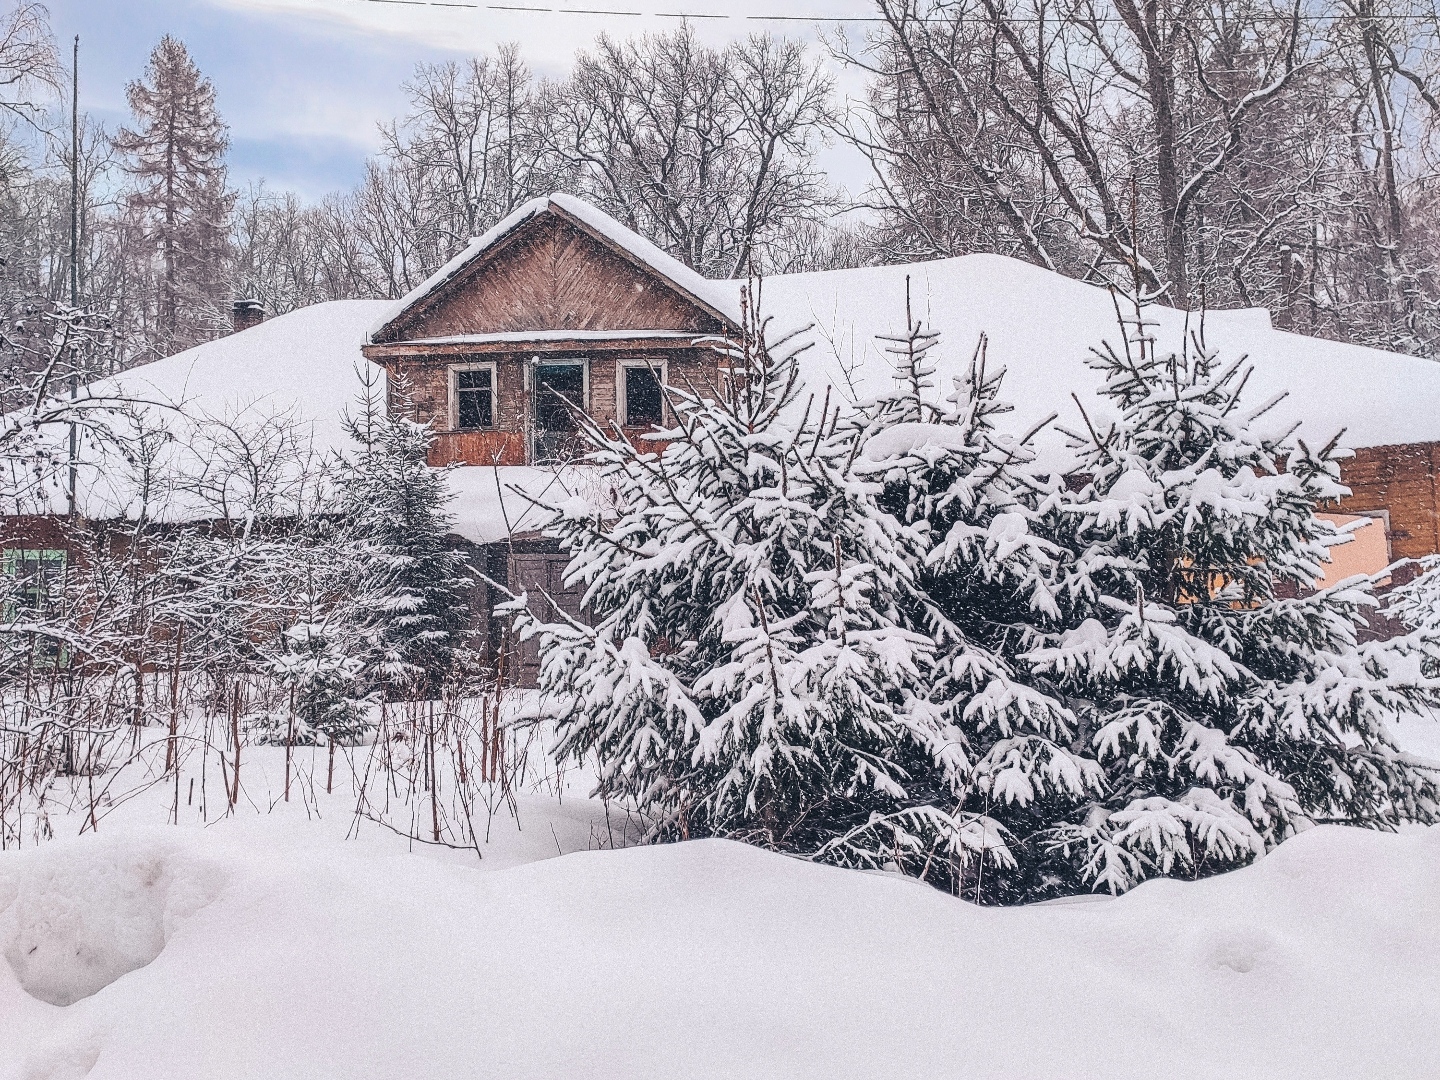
x=476, y=399
x=643, y=402
x=556, y=382
x=555, y=425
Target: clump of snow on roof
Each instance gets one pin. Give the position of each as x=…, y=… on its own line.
x=494, y=503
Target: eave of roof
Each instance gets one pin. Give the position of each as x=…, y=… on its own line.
x=525, y=336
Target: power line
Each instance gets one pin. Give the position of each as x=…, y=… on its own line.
x=535, y=9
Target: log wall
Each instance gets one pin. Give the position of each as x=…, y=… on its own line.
x=419, y=387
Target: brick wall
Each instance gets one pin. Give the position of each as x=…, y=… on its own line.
x=1403, y=481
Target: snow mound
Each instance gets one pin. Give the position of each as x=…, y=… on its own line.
x=76, y=917
x=712, y=959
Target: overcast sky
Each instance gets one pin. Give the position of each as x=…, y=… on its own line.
x=302, y=83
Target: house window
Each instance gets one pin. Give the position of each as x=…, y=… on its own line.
x=34, y=588
x=35, y=579
x=559, y=387
x=642, y=403
x=472, y=389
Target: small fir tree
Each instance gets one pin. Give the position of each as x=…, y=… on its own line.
x=973, y=506
x=411, y=585
x=323, y=682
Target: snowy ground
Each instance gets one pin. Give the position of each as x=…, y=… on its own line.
x=295, y=941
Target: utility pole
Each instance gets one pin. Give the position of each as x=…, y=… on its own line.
x=74, y=256
x=75, y=177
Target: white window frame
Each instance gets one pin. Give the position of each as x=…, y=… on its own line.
x=452, y=377
x=622, y=406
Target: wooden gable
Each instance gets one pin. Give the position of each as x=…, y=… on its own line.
x=550, y=274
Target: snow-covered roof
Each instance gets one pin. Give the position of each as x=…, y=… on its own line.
x=306, y=363
x=290, y=379
x=718, y=296
x=302, y=369
x=1041, y=327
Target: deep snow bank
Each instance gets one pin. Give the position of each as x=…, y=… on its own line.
x=285, y=953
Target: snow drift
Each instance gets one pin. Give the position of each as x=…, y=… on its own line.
x=307, y=957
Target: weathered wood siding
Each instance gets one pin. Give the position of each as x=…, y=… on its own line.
x=550, y=276
x=419, y=388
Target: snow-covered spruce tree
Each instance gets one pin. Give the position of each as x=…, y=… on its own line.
x=324, y=686
x=761, y=660
x=1416, y=603
x=411, y=587
x=1228, y=702
x=975, y=509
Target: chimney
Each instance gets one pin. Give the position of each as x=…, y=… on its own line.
x=248, y=313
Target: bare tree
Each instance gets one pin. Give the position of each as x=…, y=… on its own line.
x=1120, y=114
x=708, y=153
x=27, y=60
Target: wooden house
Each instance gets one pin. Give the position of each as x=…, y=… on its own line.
x=560, y=308
x=555, y=307
x=556, y=310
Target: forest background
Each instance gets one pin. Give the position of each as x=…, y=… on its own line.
x=1209, y=153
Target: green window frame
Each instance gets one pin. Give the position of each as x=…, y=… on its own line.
x=36, y=577
x=35, y=586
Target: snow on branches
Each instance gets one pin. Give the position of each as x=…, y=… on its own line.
x=885, y=637
x=1229, y=703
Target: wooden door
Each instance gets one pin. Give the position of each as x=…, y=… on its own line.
x=542, y=575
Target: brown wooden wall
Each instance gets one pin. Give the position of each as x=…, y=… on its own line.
x=550, y=276
x=36, y=531
x=1403, y=481
x=420, y=389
